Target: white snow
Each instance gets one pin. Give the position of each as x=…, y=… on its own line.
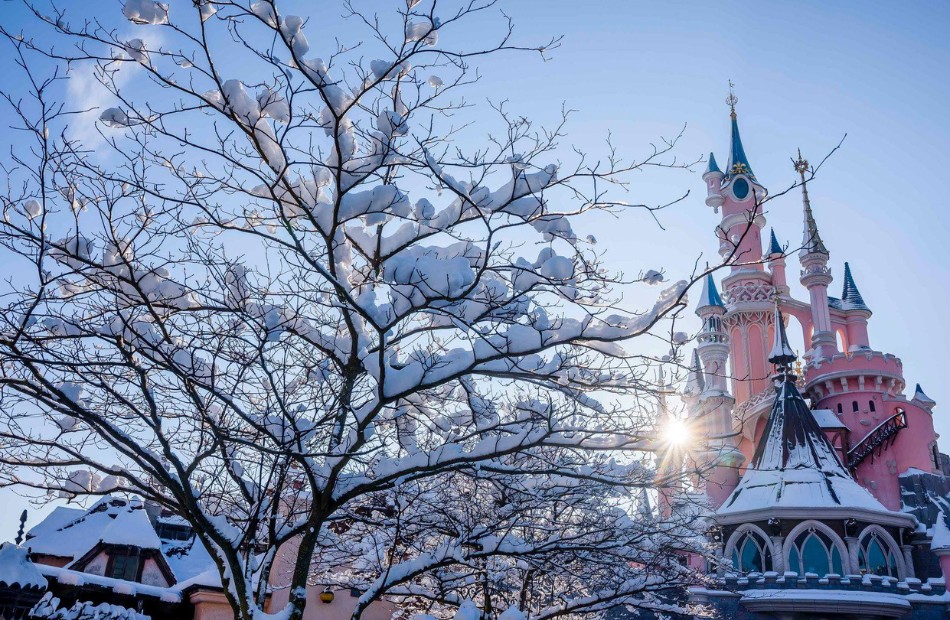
x=145, y=12
x=32, y=208
x=16, y=569
x=941, y=533
x=291, y=28
x=423, y=30
x=114, y=117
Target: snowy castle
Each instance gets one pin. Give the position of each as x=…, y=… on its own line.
x=825, y=486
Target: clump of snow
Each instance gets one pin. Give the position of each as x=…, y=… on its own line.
x=653, y=277
x=512, y=613
x=16, y=569
x=145, y=12
x=32, y=208
x=265, y=11
x=137, y=51
x=115, y=117
x=468, y=611
x=291, y=28
x=49, y=609
x=423, y=30
x=434, y=81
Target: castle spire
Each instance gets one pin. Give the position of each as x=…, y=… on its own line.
x=695, y=383
x=781, y=354
x=738, y=162
x=811, y=240
x=850, y=295
x=710, y=295
x=774, y=246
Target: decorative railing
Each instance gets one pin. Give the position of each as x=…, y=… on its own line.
x=878, y=439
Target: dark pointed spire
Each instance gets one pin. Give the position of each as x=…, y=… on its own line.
x=710, y=295
x=712, y=166
x=738, y=162
x=781, y=354
x=695, y=382
x=922, y=398
x=850, y=295
x=774, y=246
x=811, y=240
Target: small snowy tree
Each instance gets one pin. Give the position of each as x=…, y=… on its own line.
x=224, y=300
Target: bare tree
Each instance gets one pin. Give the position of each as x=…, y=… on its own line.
x=232, y=307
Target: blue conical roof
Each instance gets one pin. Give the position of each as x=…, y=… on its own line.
x=710, y=295
x=738, y=162
x=850, y=295
x=712, y=166
x=774, y=246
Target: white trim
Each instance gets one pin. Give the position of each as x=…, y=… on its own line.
x=897, y=519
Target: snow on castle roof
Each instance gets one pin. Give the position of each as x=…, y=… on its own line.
x=795, y=466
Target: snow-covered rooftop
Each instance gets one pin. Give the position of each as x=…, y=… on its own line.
x=795, y=466
x=71, y=534
x=16, y=569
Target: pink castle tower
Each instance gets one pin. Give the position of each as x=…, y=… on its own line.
x=856, y=392
x=823, y=486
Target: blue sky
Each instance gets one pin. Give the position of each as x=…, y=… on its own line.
x=806, y=73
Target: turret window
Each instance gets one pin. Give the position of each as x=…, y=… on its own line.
x=751, y=554
x=854, y=406
x=840, y=408
x=814, y=552
x=871, y=406
x=876, y=558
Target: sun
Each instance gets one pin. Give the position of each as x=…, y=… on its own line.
x=676, y=433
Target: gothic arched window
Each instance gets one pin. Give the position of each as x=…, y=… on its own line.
x=751, y=554
x=814, y=552
x=875, y=556
x=854, y=405
x=840, y=408
x=871, y=406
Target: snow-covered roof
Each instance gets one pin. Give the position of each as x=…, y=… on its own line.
x=941, y=533
x=827, y=419
x=922, y=397
x=795, y=466
x=188, y=559
x=114, y=520
x=850, y=295
x=16, y=569
x=131, y=527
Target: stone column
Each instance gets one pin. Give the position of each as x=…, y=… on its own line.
x=909, y=560
x=778, y=556
x=852, y=568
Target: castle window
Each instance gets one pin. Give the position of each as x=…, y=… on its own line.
x=875, y=557
x=814, y=552
x=751, y=554
x=854, y=406
x=840, y=408
x=871, y=406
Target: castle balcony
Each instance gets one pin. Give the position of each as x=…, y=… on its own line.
x=855, y=371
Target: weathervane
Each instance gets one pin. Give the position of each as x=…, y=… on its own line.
x=732, y=100
x=801, y=164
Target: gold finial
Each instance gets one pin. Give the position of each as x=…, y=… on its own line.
x=732, y=100
x=798, y=369
x=801, y=164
